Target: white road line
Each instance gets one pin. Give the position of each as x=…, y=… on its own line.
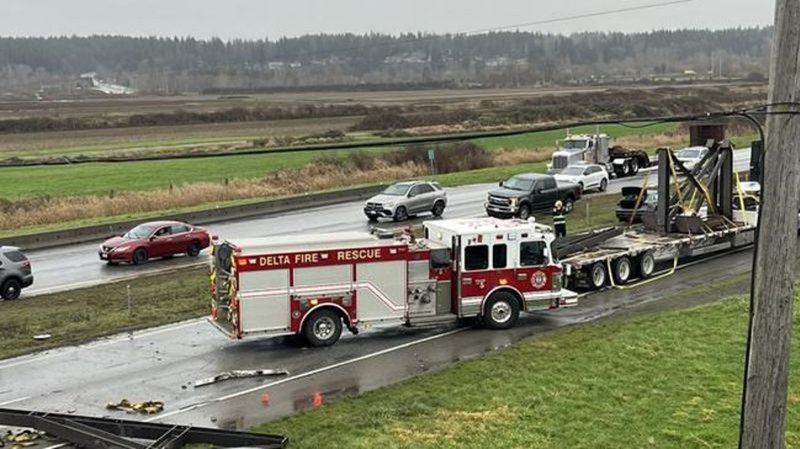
x=133, y=276
x=58, y=446
x=3, y=404
x=308, y=373
x=96, y=344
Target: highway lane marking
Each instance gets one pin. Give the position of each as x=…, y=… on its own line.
x=308, y=373
x=129, y=277
x=3, y=404
x=96, y=344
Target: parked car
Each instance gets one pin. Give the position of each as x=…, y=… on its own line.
x=526, y=193
x=406, y=199
x=15, y=272
x=628, y=200
x=691, y=156
x=155, y=239
x=588, y=176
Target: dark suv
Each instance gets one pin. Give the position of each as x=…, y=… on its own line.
x=15, y=272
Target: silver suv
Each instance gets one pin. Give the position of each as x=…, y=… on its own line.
x=406, y=199
x=15, y=272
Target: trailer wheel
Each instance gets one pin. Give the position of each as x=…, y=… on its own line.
x=597, y=276
x=647, y=265
x=501, y=311
x=623, y=269
x=322, y=328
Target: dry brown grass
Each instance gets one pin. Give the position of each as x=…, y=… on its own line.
x=323, y=174
x=521, y=156
x=316, y=177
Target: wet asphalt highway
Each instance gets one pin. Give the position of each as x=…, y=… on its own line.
x=77, y=266
x=162, y=364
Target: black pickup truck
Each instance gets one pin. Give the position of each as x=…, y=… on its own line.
x=530, y=192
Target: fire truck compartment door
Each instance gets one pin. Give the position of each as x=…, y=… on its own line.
x=382, y=288
x=264, y=300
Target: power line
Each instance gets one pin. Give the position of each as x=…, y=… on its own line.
x=432, y=37
x=580, y=16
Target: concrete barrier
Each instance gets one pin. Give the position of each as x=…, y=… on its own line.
x=262, y=208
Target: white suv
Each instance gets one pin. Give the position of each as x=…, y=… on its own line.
x=406, y=199
x=588, y=176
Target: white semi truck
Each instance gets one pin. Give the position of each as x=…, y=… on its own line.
x=594, y=149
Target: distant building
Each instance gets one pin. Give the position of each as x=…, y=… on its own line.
x=91, y=82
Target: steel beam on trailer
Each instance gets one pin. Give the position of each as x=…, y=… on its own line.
x=105, y=433
x=725, y=183
x=570, y=244
x=663, y=206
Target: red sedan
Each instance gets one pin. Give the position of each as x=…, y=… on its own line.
x=155, y=239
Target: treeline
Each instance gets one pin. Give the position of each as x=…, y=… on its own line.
x=502, y=58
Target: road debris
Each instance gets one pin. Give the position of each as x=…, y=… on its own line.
x=240, y=374
x=148, y=407
x=21, y=439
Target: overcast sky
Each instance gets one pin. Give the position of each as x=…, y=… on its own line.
x=269, y=18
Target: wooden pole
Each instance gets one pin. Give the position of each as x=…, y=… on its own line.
x=769, y=340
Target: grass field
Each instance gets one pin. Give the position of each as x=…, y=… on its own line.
x=548, y=139
x=88, y=313
x=81, y=315
x=658, y=381
x=103, y=178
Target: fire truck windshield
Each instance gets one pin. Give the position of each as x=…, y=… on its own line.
x=440, y=258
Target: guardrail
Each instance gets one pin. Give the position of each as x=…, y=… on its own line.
x=262, y=208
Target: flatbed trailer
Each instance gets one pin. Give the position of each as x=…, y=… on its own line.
x=623, y=256
x=694, y=217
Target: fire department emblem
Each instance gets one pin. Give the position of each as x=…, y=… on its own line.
x=538, y=279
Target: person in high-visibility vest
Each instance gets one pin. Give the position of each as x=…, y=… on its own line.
x=559, y=219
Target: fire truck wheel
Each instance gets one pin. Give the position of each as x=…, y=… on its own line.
x=401, y=214
x=501, y=311
x=322, y=328
x=647, y=265
x=597, y=276
x=623, y=269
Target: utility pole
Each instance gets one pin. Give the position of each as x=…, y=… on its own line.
x=767, y=360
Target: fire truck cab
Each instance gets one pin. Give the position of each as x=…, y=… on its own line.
x=317, y=285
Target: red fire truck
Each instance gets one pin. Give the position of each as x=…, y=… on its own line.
x=315, y=285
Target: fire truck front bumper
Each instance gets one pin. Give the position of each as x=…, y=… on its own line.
x=568, y=298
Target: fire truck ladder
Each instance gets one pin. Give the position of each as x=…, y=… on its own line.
x=104, y=433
